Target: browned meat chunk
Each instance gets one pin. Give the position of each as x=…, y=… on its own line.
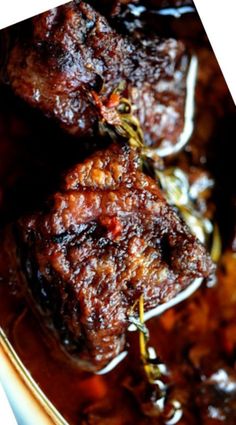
x=106, y=238
x=65, y=55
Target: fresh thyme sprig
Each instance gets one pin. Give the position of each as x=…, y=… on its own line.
x=117, y=119
x=152, y=363
x=156, y=372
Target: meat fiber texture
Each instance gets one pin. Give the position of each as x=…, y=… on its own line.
x=62, y=57
x=104, y=240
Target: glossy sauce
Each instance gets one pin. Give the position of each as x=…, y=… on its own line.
x=196, y=340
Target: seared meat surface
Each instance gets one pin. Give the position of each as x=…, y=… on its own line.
x=63, y=57
x=106, y=238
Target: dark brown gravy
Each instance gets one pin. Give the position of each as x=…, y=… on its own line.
x=196, y=340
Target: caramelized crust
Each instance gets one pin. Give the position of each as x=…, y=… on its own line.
x=61, y=57
x=106, y=238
